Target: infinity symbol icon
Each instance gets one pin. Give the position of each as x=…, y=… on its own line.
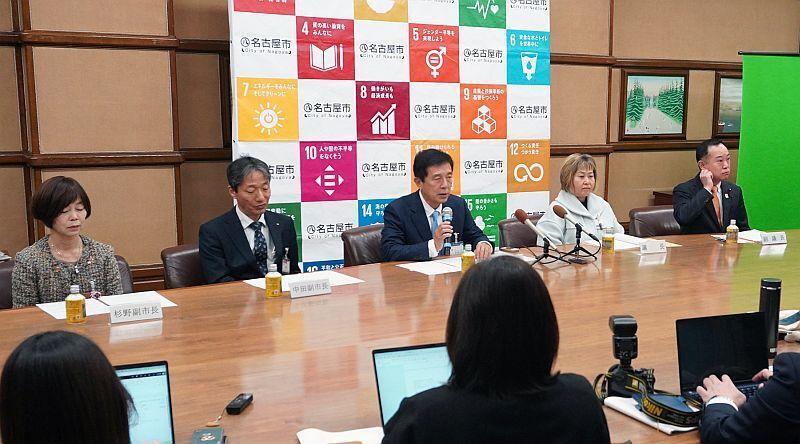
x=524, y=173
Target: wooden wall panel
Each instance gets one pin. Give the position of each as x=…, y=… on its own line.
x=10, y=139
x=555, y=171
x=713, y=30
x=133, y=209
x=103, y=100
x=201, y=19
x=701, y=105
x=579, y=105
x=147, y=17
x=580, y=26
x=6, y=23
x=202, y=182
x=14, y=216
x=199, y=101
x=616, y=85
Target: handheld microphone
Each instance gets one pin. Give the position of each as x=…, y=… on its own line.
x=564, y=214
x=522, y=217
x=447, y=216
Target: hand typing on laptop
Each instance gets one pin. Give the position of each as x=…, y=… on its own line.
x=714, y=387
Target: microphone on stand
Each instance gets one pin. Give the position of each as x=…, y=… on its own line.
x=564, y=214
x=522, y=217
x=447, y=216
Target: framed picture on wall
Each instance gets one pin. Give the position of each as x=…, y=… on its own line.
x=727, y=104
x=653, y=104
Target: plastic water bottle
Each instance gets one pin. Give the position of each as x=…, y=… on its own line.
x=76, y=306
x=732, y=233
x=467, y=258
x=273, y=282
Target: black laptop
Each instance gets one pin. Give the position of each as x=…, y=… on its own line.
x=733, y=345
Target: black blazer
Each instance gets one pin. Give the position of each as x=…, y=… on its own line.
x=565, y=412
x=406, y=230
x=226, y=255
x=694, y=210
x=772, y=415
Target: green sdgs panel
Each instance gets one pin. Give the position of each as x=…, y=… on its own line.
x=769, y=149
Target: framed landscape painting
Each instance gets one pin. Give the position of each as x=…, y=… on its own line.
x=727, y=105
x=653, y=104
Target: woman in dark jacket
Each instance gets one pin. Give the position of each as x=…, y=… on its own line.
x=502, y=339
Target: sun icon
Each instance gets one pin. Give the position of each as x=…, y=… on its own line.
x=268, y=118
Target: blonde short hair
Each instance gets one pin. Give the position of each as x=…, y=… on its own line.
x=574, y=163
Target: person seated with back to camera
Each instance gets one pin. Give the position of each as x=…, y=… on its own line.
x=502, y=340
x=44, y=271
x=578, y=181
x=58, y=387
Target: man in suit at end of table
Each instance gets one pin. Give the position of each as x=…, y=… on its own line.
x=707, y=203
x=771, y=415
x=242, y=243
x=413, y=227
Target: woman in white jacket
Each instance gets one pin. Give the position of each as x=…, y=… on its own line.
x=577, y=197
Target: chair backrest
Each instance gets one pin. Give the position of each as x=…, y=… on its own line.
x=362, y=245
x=513, y=233
x=125, y=274
x=182, y=267
x=653, y=221
x=6, y=267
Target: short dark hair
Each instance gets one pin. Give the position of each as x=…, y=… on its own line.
x=702, y=149
x=58, y=386
x=502, y=332
x=428, y=158
x=243, y=166
x=55, y=194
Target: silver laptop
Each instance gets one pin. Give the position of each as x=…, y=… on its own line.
x=406, y=371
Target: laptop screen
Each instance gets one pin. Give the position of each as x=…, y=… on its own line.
x=406, y=371
x=148, y=385
x=734, y=345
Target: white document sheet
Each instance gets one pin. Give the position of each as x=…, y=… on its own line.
x=94, y=307
x=432, y=268
x=286, y=281
x=372, y=435
x=627, y=406
x=745, y=237
x=628, y=242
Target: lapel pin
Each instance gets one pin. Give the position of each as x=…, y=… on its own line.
x=726, y=196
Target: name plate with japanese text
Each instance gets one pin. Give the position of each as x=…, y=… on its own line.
x=310, y=287
x=135, y=311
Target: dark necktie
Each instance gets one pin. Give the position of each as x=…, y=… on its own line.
x=260, y=248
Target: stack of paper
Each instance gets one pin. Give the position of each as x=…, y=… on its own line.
x=372, y=435
x=287, y=281
x=745, y=237
x=624, y=241
x=58, y=310
x=4, y=257
x=432, y=268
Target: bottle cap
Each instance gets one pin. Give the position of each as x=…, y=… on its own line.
x=273, y=267
x=468, y=247
x=74, y=289
x=733, y=221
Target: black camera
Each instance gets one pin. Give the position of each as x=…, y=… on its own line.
x=626, y=349
x=626, y=344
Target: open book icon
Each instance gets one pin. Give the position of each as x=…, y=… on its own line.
x=327, y=59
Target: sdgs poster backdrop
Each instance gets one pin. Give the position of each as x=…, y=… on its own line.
x=337, y=96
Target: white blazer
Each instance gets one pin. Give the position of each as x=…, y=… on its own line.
x=597, y=216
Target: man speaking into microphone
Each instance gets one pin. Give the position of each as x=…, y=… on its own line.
x=577, y=204
x=416, y=226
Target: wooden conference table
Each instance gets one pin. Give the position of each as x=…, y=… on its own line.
x=308, y=361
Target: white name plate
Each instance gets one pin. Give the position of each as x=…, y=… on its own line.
x=309, y=287
x=135, y=311
x=776, y=238
x=653, y=246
